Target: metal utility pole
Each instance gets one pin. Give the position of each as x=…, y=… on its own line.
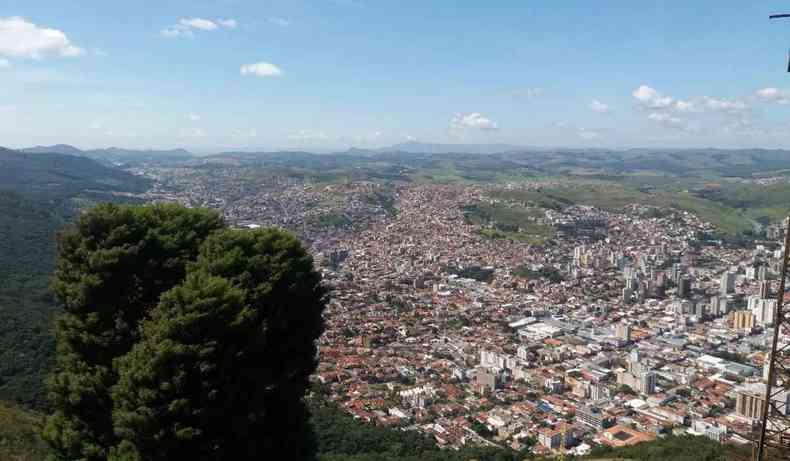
x=779, y=16
x=775, y=417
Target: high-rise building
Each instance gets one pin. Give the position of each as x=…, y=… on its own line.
x=684, y=287
x=762, y=273
x=764, y=310
x=623, y=331
x=646, y=382
x=727, y=283
x=593, y=417
x=765, y=289
x=742, y=320
x=627, y=293
x=724, y=306
x=713, y=308
x=750, y=398
x=599, y=392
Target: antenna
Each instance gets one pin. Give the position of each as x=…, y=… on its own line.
x=775, y=418
x=780, y=16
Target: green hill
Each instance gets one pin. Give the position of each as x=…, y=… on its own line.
x=38, y=194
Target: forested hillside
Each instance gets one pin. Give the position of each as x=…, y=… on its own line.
x=38, y=194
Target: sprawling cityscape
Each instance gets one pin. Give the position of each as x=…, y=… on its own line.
x=581, y=327
x=363, y=230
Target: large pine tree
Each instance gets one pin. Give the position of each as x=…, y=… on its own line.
x=113, y=265
x=223, y=364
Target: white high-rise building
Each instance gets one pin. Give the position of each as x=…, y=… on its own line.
x=727, y=283
x=764, y=310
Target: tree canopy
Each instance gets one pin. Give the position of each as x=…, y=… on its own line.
x=181, y=337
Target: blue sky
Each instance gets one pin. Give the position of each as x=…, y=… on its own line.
x=339, y=73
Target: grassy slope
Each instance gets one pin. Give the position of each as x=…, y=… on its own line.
x=19, y=435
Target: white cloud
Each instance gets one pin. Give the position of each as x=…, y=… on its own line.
x=684, y=106
x=22, y=39
x=227, y=23
x=186, y=27
x=198, y=23
x=261, y=69
x=4, y=63
x=280, y=22
x=598, y=106
x=774, y=95
x=724, y=105
x=651, y=98
x=193, y=117
x=669, y=121
x=474, y=120
x=654, y=101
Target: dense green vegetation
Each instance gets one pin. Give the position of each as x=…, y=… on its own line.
x=27, y=250
x=181, y=338
x=59, y=178
x=672, y=448
x=340, y=437
x=38, y=194
x=550, y=273
x=472, y=272
x=113, y=265
x=510, y=222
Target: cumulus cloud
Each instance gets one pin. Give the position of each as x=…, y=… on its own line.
x=650, y=98
x=227, y=23
x=774, y=95
x=198, y=23
x=261, y=69
x=193, y=117
x=4, y=63
x=695, y=115
x=669, y=121
x=22, y=39
x=186, y=27
x=653, y=101
x=474, y=120
x=599, y=107
x=724, y=105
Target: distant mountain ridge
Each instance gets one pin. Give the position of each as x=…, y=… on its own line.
x=55, y=175
x=414, y=147
x=111, y=154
